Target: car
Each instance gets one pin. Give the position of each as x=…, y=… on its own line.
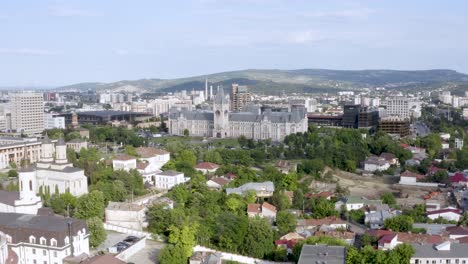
x=131, y=239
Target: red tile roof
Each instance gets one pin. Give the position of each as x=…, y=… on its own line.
x=387, y=156
x=254, y=208
x=220, y=181
x=411, y=174
x=142, y=165
x=387, y=238
x=288, y=243
x=124, y=157
x=207, y=166
x=269, y=206
x=230, y=176
x=458, y=177
x=409, y=237
x=463, y=240
x=148, y=152
x=445, y=210
x=457, y=230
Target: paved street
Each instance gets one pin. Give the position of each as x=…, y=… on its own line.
x=420, y=129
x=149, y=255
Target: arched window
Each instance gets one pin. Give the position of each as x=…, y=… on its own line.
x=21, y=183
x=30, y=185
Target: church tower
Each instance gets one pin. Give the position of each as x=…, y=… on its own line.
x=47, y=149
x=61, y=151
x=27, y=182
x=221, y=114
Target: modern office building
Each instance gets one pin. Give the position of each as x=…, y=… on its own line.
x=27, y=113
x=395, y=125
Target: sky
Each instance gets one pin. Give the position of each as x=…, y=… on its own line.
x=60, y=42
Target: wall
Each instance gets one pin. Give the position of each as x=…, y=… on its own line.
x=238, y=258
x=130, y=251
x=127, y=231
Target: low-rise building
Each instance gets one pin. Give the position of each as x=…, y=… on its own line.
x=166, y=180
x=388, y=242
x=261, y=189
x=126, y=215
x=44, y=238
x=207, y=167
x=77, y=144
x=355, y=203
x=375, y=163
x=124, y=162
x=322, y=254
x=263, y=210
x=449, y=213
x=445, y=252
x=217, y=183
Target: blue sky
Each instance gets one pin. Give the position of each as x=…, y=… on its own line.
x=58, y=42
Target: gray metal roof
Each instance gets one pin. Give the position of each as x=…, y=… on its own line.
x=319, y=254
x=430, y=251
x=9, y=198
x=169, y=173
x=433, y=229
x=256, y=186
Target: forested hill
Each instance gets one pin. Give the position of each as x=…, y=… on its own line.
x=289, y=81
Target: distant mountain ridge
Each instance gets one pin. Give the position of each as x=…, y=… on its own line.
x=289, y=81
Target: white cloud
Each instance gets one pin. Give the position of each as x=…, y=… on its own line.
x=28, y=51
x=300, y=37
x=66, y=11
x=360, y=13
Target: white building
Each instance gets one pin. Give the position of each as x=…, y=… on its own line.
x=446, y=252
x=375, y=163
x=206, y=167
x=124, y=162
x=355, y=203
x=449, y=213
x=77, y=144
x=458, y=143
x=126, y=215
x=261, y=189
x=166, y=180
x=403, y=107
x=54, y=121
x=3, y=248
x=27, y=112
x=38, y=239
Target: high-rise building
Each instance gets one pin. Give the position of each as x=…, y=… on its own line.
x=351, y=116
x=27, y=112
x=403, y=107
x=240, y=96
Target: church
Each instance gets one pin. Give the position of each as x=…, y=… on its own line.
x=49, y=174
x=251, y=123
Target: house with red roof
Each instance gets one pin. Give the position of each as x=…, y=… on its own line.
x=388, y=241
x=266, y=210
x=449, y=213
x=207, y=167
x=408, y=177
x=456, y=232
x=408, y=237
x=459, y=179
x=217, y=183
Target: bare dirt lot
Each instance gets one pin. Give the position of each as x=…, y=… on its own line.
x=374, y=186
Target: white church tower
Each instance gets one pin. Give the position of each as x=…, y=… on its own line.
x=61, y=152
x=47, y=150
x=28, y=202
x=221, y=114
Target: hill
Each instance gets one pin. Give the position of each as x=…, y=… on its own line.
x=289, y=81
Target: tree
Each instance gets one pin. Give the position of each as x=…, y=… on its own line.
x=131, y=150
x=322, y=208
x=400, y=223
x=357, y=216
x=90, y=205
x=63, y=204
x=259, y=238
x=286, y=222
x=171, y=254
x=463, y=220
x=298, y=199
x=184, y=237
x=388, y=198
x=404, y=252
x=12, y=174
x=213, y=156
x=280, y=200
x=96, y=230
x=187, y=156
x=186, y=132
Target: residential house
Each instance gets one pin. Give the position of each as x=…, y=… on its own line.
x=331, y=223
x=347, y=236
x=322, y=254
x=374, y=163
x=261, y=189
x=288, y=241
x=166, y=180
x=126, y=215
x=459, y=179
x=355, y=203
x=124, y=162
x=263, y=210
x=155, y=157
x=449, y=213
x=388, y=241
x=456, y=232
x=432, y=205
x=391, y=158
x=408, y=177
x=326, y=195
x=446, y=252
x=207, y=167
x=217, y=183
x=409, y=237
x=375, y=219
x=286, y=166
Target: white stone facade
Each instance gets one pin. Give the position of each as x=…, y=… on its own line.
x=166, y=180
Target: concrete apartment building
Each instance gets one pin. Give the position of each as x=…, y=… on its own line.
x=27, y=112
x=240, y=97
x=403, y=107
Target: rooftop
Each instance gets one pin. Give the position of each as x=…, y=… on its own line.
x=455, y=250
x=207, y=166
x=124, y=157
x=148, y=152
x=170, y=173
x=124, y=206
x=322, y=254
